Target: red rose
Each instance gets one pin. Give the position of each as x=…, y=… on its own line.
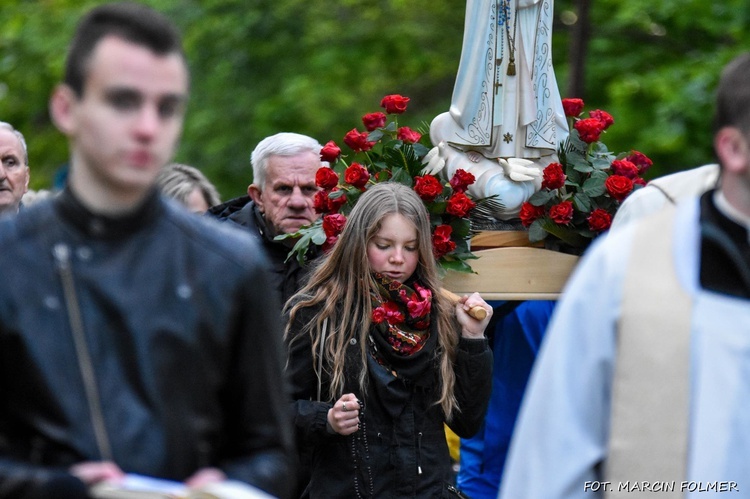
x=602, y=116
x=330, y=152
x=589, y=129
x=625, y=168
x=640, y=160
x=394, y=104
x=639, y=181
x=459, y=204
x=333, y=224
x=554, y=176
x=335, y=203
x=321, y=202
x=378, y=315
x=572, y=107
x=599, y=220
x=356, y=175
x=326, y=178
x=461, y=180
x=428, y=187
x=357, y=140
x=562, y=213
x=408, y=135
x=441, y=240
x=373, y=121
x=329, y=243
x=529, y=213
x=618, y=186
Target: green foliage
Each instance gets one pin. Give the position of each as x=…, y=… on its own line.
x=291, y=65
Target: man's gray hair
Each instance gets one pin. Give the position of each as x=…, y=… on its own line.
x=281, y=144
x=9, y=127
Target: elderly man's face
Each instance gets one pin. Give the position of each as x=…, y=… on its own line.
x=14, y=172
x=286, y=199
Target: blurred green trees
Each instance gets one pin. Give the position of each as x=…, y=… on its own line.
x=263, y=66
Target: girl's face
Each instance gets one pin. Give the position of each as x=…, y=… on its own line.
x=394, y=250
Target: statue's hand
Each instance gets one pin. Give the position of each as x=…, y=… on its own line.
x=434, y=160
x=520, y=170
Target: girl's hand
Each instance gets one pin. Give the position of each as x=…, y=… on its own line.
x=343, y=417
x=472, y=328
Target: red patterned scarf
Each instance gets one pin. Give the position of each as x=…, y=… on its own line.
x=401, y=315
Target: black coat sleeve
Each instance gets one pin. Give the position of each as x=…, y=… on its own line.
x=473, y=386
x=261, y=450
x=310, y=415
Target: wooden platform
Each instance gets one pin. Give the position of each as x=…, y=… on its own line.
x=511, y=269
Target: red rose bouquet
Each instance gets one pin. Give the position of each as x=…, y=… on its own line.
x=386, y=151
x=581, y=193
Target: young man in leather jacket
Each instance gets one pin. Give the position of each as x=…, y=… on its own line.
x=135, y=337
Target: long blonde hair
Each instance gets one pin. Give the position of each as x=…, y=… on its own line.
x=342, y=284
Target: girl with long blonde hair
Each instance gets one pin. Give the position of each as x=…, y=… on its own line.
x=379, y=360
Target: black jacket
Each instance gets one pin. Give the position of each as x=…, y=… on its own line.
x=400, y=452
x=288, y=275
x=182, y=344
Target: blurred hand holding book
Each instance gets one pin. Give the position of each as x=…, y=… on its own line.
x=143, y=487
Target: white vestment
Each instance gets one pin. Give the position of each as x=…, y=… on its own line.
x=560, y=439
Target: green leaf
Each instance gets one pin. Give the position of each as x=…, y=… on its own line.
x=583, y=168
x=420, y=150
x=461, y=227
x=375, y=135
x=401, y=175
x=462, y=250
x=542, y=196
x=391, y=127
x=536, y=231
x=576, y=158
x=455, y=265
x=599, y=148
x=318, y=236
x=564, y=233
x=601, y=163
x=594, y=186
x=582, y=202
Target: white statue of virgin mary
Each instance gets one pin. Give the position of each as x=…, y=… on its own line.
x=506, y=118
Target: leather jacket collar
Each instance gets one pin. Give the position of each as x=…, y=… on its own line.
x=99, y=226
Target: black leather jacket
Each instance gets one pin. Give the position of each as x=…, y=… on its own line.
x=288, y=275
x=178, y=338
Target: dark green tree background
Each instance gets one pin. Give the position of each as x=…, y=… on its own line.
x=264, y=66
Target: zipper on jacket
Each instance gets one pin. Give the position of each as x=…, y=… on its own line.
x=419, y=453
x=61, y=253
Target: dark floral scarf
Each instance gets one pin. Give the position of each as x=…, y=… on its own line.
x=400, y=338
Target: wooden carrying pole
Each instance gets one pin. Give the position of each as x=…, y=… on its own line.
x=476, y=312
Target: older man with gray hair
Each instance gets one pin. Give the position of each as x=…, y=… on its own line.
x=279, y=200
x=14, y=168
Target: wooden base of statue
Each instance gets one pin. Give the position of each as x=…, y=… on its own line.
x=511, y=268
